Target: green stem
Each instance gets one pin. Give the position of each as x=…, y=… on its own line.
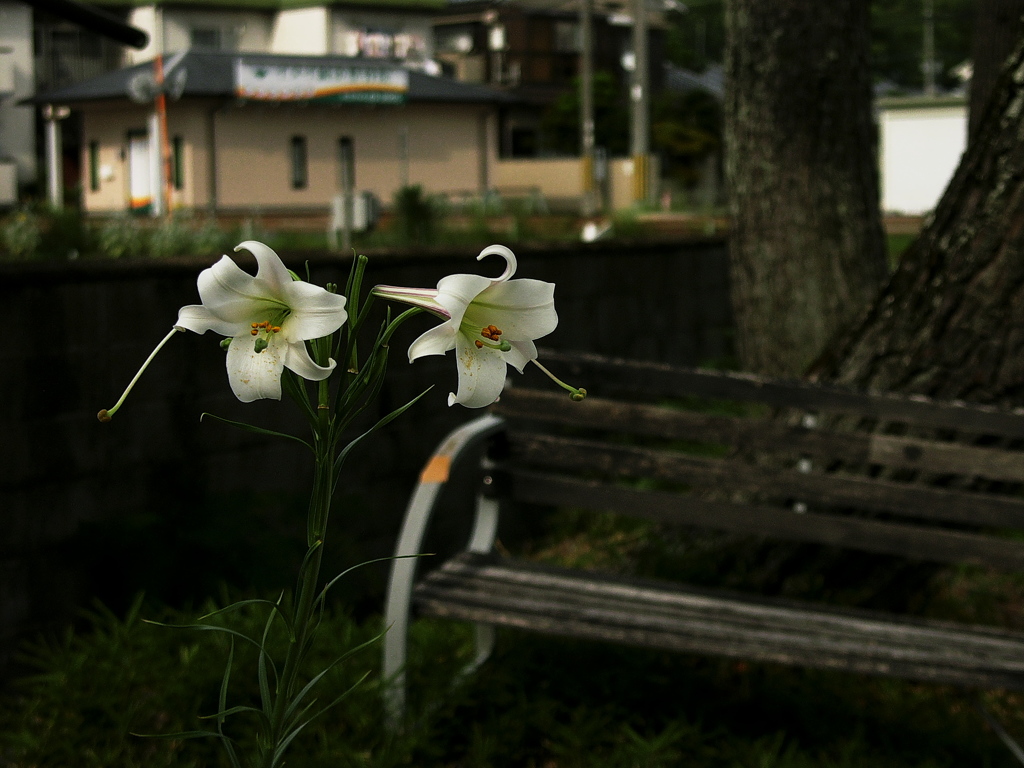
x=309, y=575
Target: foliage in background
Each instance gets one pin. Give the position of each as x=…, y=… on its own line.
x=686, y=129
x=695, y=39
x=897, y=42
x=416, y=214
x=560, y=124
x=121, y=237
x=21, y=234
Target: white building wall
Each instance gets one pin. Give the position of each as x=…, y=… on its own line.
x=920, y=144
x=301, y=31
x=146, y=18
x=243, y=31
x=17, y=124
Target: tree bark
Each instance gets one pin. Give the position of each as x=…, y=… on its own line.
x=806, y=242
x=998, y=25
x=950, y=323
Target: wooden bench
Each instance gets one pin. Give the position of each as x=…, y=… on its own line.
x=900, y=477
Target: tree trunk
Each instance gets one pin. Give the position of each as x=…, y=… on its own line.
x=998, y=26
x=806, y=241
x=950, y=323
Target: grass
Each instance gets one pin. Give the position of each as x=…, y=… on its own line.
x=543, y=702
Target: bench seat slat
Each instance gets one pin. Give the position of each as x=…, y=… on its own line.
x=930, y=544
x=670, y=617
x=907, y=499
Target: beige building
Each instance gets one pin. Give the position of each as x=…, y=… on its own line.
x=262, y=132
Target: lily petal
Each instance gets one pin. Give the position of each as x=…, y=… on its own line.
x=255, y=375
x=271, y=272
x=297, y=359
x=521, y=353
x=229, y=292
x=456, y=292
x=504, y=252
x=199, y=319
x=435, y=341
x=481, y=374
x=315, y=313
x=522, y=309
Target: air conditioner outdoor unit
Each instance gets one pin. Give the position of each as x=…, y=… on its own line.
x=365, y=211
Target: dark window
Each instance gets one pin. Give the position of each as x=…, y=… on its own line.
x=94, y=166
x=300, y=166
x=177, y=162
x=205, y=39
x=524, y=142
x=346, y=163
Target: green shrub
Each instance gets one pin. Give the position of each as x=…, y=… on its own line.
x=416, y=214
x=22, y=234
x=121, y=237
x=172, y=238
x=209, y=238
x=65, y=235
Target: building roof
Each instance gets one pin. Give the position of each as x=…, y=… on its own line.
x=213, y=74
x=429, y=5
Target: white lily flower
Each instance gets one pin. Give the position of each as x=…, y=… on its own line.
x=489, y=323
x=268, y=317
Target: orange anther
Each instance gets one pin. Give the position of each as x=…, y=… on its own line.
x=479, y=344
x=276, y=329
x=255, y=325
x=255, y=332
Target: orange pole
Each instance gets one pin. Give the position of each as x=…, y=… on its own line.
x=165, y=144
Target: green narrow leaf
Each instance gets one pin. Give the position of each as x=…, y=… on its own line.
x=237, y=709
x=323, y=593
x=223, y=699
x=178, y=735
x=208, y=628
x=255, y=429
x=275, y=606
x=343, y=454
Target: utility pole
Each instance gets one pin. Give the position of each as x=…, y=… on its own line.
x=640, y=103
x=928, y=47
x=55, y=154
x=590, y=193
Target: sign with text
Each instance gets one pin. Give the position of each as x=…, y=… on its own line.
x=324, y=83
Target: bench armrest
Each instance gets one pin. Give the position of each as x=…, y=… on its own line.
x=410, y=541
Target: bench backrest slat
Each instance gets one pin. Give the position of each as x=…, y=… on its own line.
x=578, y=456
x=613, y=376
x=670, y=424
x=882, y=473
x=865, y=534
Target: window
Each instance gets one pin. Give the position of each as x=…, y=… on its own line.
x=177, y=162
x=568, y=38
x=94, y=166
x=300, y=166
x=346, y=163
x=205, y=39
